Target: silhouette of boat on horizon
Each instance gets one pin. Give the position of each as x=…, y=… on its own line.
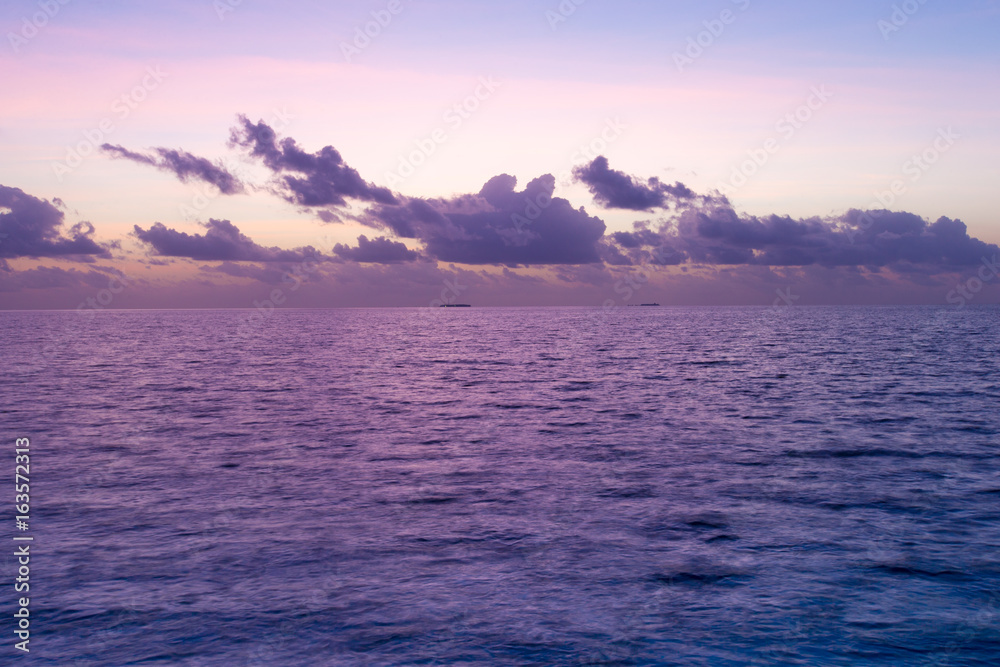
x=456, y=305
x=643, y=305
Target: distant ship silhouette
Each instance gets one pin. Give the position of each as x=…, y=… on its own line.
x=455, y=305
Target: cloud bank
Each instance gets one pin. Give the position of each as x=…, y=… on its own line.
x=707, y=230
x=715, y=254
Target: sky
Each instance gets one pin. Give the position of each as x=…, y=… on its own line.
x=254, y=154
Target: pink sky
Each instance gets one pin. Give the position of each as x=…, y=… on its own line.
x=553, y=91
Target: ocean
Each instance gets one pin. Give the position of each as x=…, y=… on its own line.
x=508, y=486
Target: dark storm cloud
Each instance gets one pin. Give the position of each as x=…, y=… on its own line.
x=499, y=225
x=616, y=189
x=377, y=251
x=185, y=166
x=222, y=241
x=31, y=227
x=323, y=179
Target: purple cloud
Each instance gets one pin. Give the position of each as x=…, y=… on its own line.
x=707, y=230
x=616, y=189
x=222, y=241
x=498, y=225
x=270, y=273
x=185, y=166
x=31, y=227
x=874, y=239
x=377, y=251
x=54, y=277
x=323, y=179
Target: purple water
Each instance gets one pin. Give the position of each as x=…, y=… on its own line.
x=717, y=486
